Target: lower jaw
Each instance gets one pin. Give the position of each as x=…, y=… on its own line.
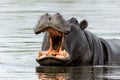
x=46, y=58
x=51, y=61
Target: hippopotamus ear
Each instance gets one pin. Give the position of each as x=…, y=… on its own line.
x=83, y=24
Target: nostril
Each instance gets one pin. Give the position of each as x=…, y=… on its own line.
x=49, y=18
x=58, y=13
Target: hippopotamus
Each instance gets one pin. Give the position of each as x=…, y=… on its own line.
x=68, y=43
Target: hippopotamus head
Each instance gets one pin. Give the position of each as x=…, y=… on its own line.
x=64, y=42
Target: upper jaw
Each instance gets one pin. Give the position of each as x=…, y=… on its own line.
x=56, y=22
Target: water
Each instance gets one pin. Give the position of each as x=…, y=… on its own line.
x=78, y=73
x=19, y=45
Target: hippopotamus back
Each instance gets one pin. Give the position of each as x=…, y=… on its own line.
x=104, y=51
x=111, y=50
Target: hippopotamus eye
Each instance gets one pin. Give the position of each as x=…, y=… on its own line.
x=74, y=21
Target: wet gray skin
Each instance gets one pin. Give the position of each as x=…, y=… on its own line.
x=75, y=42
x=83, y=47
x=56, y=22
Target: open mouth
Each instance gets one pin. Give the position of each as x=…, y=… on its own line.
x=55, y=51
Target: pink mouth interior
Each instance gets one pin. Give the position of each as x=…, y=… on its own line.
x=56, y=40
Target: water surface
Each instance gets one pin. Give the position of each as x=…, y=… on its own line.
x=78, y=73
x=19, y=45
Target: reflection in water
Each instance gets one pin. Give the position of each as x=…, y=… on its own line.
x=53, y=76
x=77, y=73
x=64, y=73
